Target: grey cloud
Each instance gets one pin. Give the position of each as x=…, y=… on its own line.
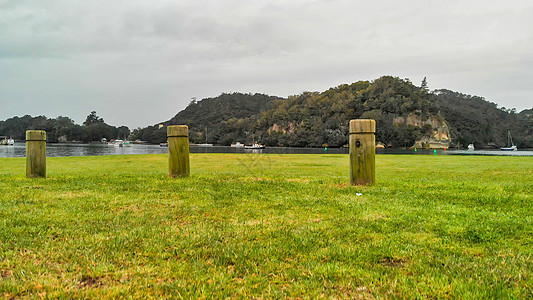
x=126, y=58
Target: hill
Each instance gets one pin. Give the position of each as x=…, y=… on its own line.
x=403, y=113
x=406, y=116
x=213, y=116
x=472, y=119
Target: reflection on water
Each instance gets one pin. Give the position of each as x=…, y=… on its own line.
x=56, y=150
x=59, y=150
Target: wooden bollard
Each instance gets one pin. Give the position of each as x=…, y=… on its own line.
x=362, y=152
x=35, y=153
x=178, y=151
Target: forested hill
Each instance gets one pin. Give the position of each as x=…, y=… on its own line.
x=473, y=119
x=406, y=115
x=212, y=116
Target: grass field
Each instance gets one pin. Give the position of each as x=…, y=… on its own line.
x=267, y=226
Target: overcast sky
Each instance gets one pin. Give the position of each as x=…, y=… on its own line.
x=139, y=62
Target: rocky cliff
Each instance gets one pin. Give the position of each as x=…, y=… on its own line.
x=435, y=131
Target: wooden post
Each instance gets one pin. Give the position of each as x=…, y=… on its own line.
x=178, y=151
x=35, y=153
x=362, y=152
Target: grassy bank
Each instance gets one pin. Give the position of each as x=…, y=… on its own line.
x=268, y=226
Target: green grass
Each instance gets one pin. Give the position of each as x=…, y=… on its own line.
x=267, y=226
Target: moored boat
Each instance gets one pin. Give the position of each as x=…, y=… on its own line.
x=117, y=143
x=237, y=145
x=206, y=144
x=6, y=142
x=512, y=148
x=510, y=144
x=254, y=146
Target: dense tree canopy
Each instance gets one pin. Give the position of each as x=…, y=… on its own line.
x=218, y=117
x=92, y=118
x=63, y=128
x=472, y=119
x=311, y=119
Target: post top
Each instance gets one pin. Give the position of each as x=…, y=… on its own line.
x=362, y=126
x=177, y=130
x=35, y=135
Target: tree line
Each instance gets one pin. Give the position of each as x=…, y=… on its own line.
x=63, y=129
x=315, y=119
x=310, y=119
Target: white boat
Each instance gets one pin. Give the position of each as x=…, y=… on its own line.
x=512, y=148
x=510, y=145
x=254, y=146
x=117, y=143
x=471, y=147
x=127, y=143
x=6, y=142
x=237, y=145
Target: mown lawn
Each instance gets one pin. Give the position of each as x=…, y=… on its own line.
x=267, y=226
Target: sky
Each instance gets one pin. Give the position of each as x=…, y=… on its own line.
x=139, y=62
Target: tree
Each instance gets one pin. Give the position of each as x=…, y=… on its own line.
x=123, y=132
x=424, y=84
x=92, y=118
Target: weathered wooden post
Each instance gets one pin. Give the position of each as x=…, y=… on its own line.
x=35, y=153
x=178, y=151
x=362, y=152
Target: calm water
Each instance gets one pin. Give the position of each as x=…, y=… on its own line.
x=56, y=150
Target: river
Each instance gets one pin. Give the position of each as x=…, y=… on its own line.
x=60, y=150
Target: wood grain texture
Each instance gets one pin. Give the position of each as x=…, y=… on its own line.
x=35, y=153
x=362, y=152
x=178, y=151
